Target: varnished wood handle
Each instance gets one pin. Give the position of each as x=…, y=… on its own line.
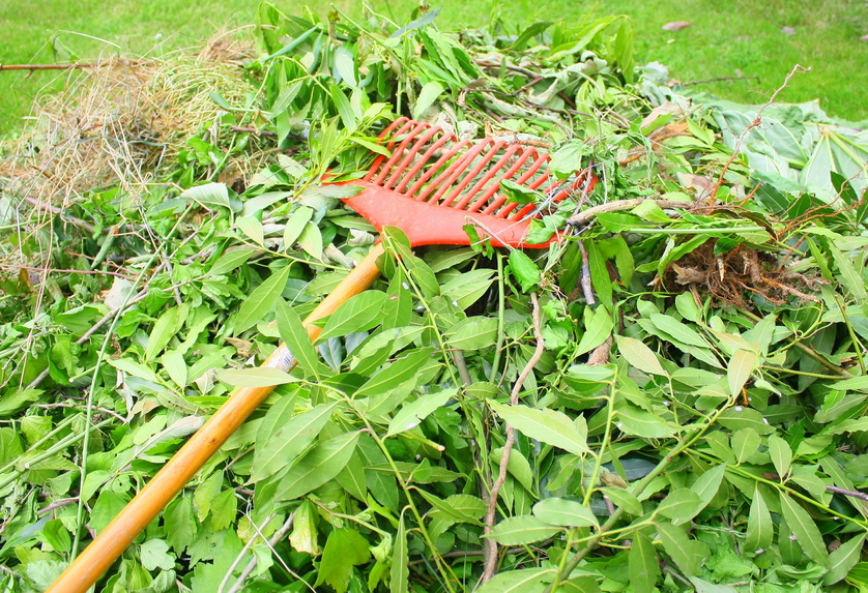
x=153, y=498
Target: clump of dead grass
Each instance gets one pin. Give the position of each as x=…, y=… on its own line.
x=119, y=124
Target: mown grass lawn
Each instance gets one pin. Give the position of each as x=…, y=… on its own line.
x=729, y=38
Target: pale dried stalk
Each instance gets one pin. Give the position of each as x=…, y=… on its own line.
x=490, y=546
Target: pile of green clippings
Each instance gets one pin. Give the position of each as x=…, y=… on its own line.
x=691, y=420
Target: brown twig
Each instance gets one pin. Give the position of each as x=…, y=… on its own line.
x=33, y=67
x=756, y=122
x=275, y=539
x=719, y=79
x=586, y=216
x=83, y=224
x=91, y=272
x=587, y=286
x=490, y=546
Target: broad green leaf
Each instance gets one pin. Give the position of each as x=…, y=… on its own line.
x=173, y=362
x=638, y=422
x=525, y=580
x=598, y=327
x=289, y=441
x=678, y=330
x=344, y=109
x=473, y=333
x=126, y=365
x=760, y=529
x=277, y=415
x=155, y=554
x=400, y=571
x=580, y=585
x=565, y=513
x=640, y=356
x=520, y=194
x=623, y=499
x=352, y=478
x=311, y=240
x=296, y=338
x=547, y=426
x=259, y=377
x=179, y=514
x=738, y=417
x=344, y=549
x=357, y=314
x=781, y=454
x=524, y=270
x=855, y=384
x=429, y=93
x=738, y=371
x=209, y=195
x=413, y=413
x=223, y=510
x=842, y=560
x=681, y=505
x=401, y=370
x=850, y=276
x=295, y=225
x=261, y=300
x=345, y=64
x=707, y=485
x=678, y=546
x=745, y=442
x=252, y=229
x=458, y=508
x=164, y=330
x=644, y=568
x=805, y=530
x=522, y=529
x=317, y=467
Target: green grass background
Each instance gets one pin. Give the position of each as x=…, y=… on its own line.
x=727, y=37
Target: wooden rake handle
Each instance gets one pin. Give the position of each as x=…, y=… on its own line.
x=153, y=498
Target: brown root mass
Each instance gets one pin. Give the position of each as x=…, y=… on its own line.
x=734, y=276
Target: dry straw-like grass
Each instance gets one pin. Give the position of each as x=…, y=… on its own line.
x=119, y=124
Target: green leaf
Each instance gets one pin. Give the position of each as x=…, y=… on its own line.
x=209, y=195
x=252, y=229
x=164, y=330
x=290, y=440
x=473, y=333
x=261, y=300
x=640, y=356
x=345, y=110
x=223, y=510
x=644, y=569
x=395, y=373
x=739, y=417
x=781, y=454
x=525, y=580
x=805, y=530
x=842, y=560
x=519, y=194
x=429, y=93
x=311, y=240
x=522, y=529
x=738, y=371
x=296, y=338
x=678, y=546
x=638, y=422
x=317, y=467
x=260, y=377
x=679, y=331
x=681, y=505
x=400, y=571
x=155, y=554
x=547, y=426
x=173, y=362
x=295, y=225
x=359, y=313
x=565, y=513
x=760, y=529
x=707, y=485
x=623, y=499
x=524, y=270
x=854, y=384
x=344, y=549
x=179, y=514
x=598, y=328
x=850, y=277
x=413, y=413
x=745, y=442
x=345, y=64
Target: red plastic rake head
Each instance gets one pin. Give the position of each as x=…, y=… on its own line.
x=432, y=185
